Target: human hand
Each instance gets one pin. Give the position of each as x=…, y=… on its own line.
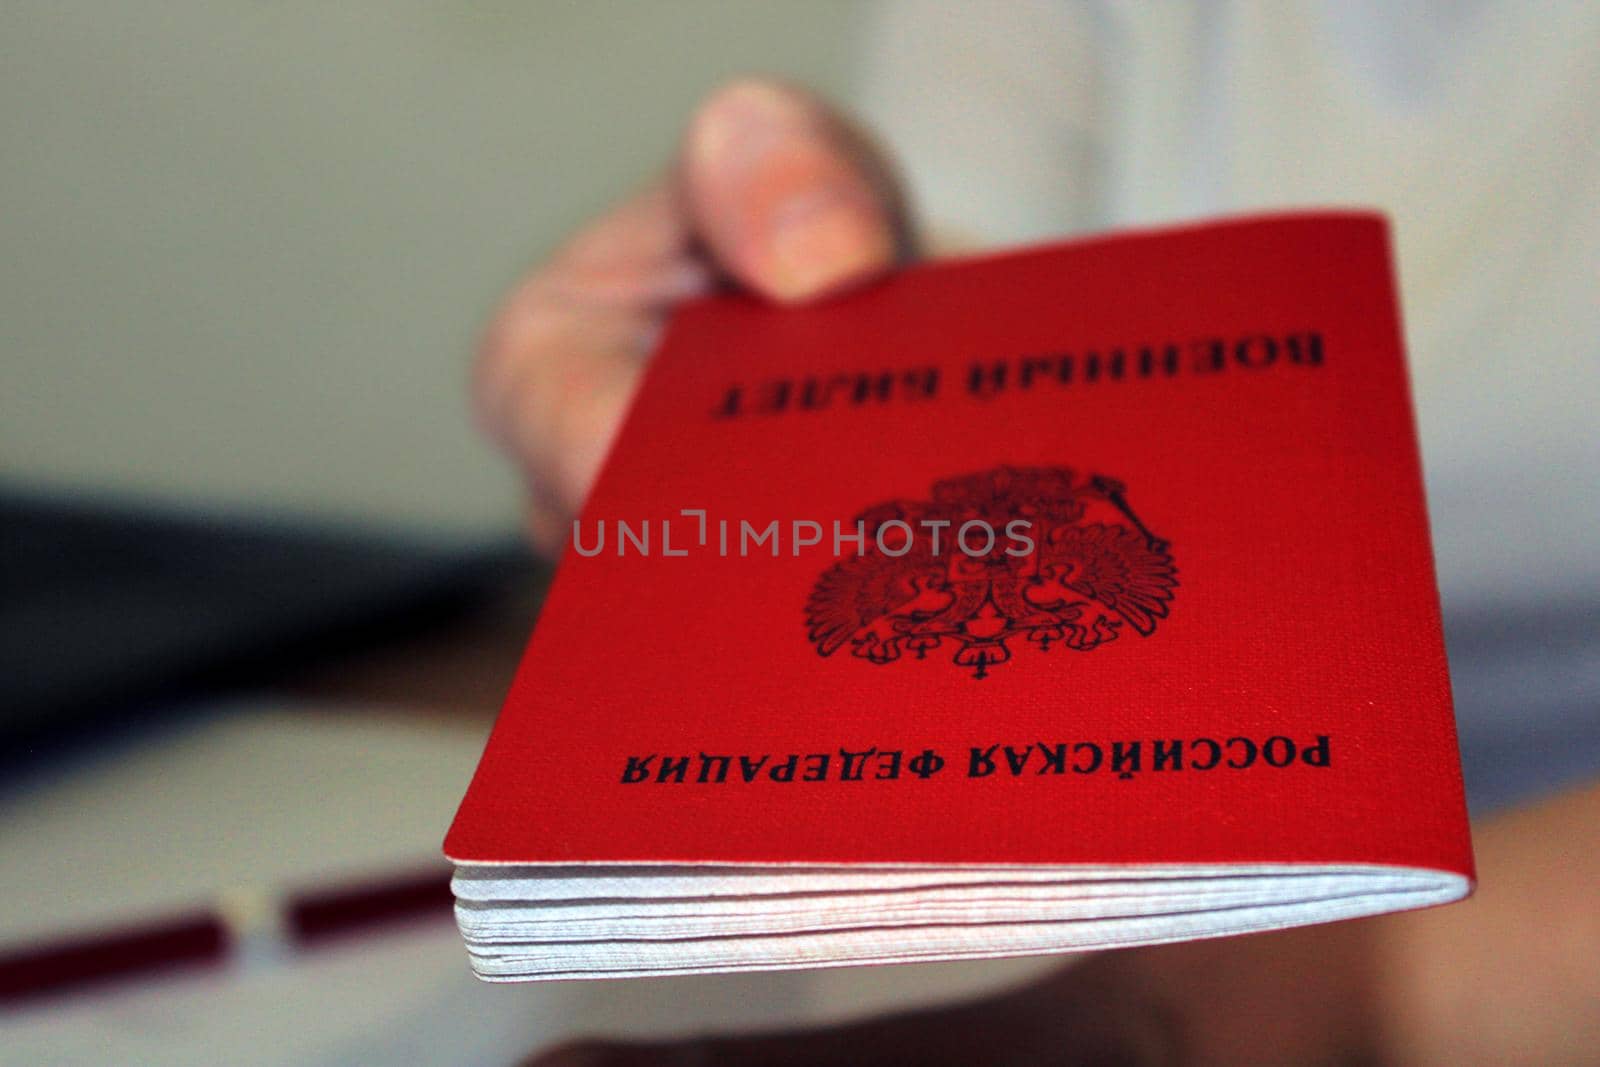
x=772, y=191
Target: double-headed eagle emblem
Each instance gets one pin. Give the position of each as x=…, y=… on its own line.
x=1091, y=569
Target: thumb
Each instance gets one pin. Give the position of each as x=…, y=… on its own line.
x=788, y=197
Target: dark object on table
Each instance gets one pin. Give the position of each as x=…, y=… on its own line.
x=108, y=607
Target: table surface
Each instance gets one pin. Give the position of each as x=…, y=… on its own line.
x=337, y=771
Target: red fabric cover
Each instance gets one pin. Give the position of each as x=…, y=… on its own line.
x=1290, y=495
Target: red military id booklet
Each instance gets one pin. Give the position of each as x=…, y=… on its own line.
x=1066, y=598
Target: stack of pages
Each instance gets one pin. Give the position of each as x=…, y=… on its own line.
x=617, y=922
x=1070, y=598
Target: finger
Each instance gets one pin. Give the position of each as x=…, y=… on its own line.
x=560, y=361
x=784, y=194
x=544, y=522
x=789, y=198
x=1068, y=1019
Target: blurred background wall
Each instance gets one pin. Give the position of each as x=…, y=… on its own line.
x=248, y=246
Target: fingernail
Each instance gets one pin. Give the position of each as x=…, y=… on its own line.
x=789, y=211
x=824, y=240
x=742, y=122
